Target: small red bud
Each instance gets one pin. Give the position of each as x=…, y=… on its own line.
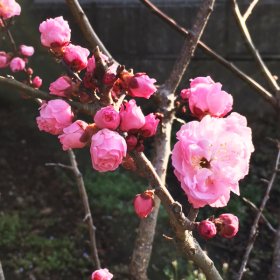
x=29, y=71
x=37, y=82
x=131, y=142
x=144, y=203
x=207, y=229
x=228, y=225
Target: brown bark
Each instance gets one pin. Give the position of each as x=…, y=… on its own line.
x=146, y=231
x=275, y=269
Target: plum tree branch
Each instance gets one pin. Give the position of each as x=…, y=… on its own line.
x=88, y=217
x=85, y=26
x=250, y=9
x=252, y=48
x=13, y=84
x=268, y=96
x=254, y=228
x=2, y=277
x=146, y=231
x=182, y=226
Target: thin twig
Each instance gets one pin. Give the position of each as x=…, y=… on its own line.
x=61, y=165
x=254, y=228
x=2, y=277
x=275, y=268
x=13, y=84
x=84, y=196
x=253, y=206
x=88, y=217
x=86, y=27
x=252, y=48
x=250, y=9
x=179, y=120
x=12, y=41
x=268, y=96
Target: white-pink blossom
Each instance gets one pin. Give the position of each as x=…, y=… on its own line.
x=210, y=158
x=9, y=8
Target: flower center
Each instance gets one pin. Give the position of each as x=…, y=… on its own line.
x=204, y=163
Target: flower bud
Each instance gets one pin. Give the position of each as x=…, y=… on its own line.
x=107, y=117
x=4, y=59
x=37, y=82
x=228, y=225
x=17, y=64
x=150, y=127
x=26, y=50
x=131, y=141
x=101, y=274
x=61, y=87
x=207, y=229
x=144, y=203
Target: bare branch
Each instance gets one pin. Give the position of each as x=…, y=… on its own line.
x=84, y=196
x=13, y=84
x=250, y=9
x=254, y=228
x=182, y=226
x=275, y=269
x=229, y=65
x=252, y=48
x=88, y=217
x=2, y=277
x=144, y=241
x=253, y=206
x=86, y=27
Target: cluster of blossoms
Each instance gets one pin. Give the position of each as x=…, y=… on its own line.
x=101, y=274
x=212, y=154
x=226, y=225
x=119, y=125
x=17, y=61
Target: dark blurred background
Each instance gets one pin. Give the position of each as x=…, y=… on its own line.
x=42, y=235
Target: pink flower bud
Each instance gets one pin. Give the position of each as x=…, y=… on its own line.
x=109, y=78
x=26, y=50
x=140, y=85
x=131, y=116
x=71, y=137
x=207, y=229
x=107, y=117
x=144, y=203
x=101, y=274
x=229, y=225
x=107, y=150
x=76, y=57
x=55, y=32
x=91, y=64
x=150, y=127
x=206, y=98
x=17, y=64
x=55, y=115
x=4, y=59
x=37, y=82
x=61, y=87
x=131, y=141
x=9, y=8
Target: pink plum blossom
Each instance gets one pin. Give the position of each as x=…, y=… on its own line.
x=26, y=50
x=37, y=82
x=140, y=85
x=71, y=137
x=55, y=115
x=131, y=116
x=17, y=64
x=107, y=150
x=210, y=157
x=101, y=274
x=55, y=32
x=144, y=203
x=4, y=59
x=9, y=8
x=206, y=98
x=229, y=225
x=150, y=127
x=61, y=87
x=107, y=117
x=76, y=57
x=207, y=229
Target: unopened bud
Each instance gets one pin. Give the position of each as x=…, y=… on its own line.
x=144, y=203
x=227, y=225
x=207, y=229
